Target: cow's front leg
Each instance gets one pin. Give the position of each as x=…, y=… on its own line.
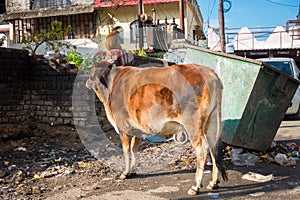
x=126, y=143
x=201, y=153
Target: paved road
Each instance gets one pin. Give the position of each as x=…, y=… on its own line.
x=289, y=130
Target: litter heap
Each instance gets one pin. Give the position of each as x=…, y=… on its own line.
x=283, y=154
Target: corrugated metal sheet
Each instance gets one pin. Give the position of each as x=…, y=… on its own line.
x=106, y=4
x=49, y=12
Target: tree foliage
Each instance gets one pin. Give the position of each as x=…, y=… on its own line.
x=52, y=38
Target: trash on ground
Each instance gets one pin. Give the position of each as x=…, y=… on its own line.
x=241, y=159
x=213, y=195
x=21, y=149
x=156, y=138
x=252, y=176
x=283, y=160
x=286, y=155
x=257, y=194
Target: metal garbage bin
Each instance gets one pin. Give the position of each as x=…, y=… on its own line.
x=255, y=96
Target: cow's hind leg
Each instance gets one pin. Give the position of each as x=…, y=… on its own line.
x=126, y=143
x=135, y=143
x=201, y=153
x=214, y=139
x=213, y=184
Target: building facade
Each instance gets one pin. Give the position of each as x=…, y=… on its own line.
x=92, y=20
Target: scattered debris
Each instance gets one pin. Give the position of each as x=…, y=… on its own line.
x=257, y=194
x=20, y=149
x=284, y=154
x=156, y=138
x=213, y=195
x=252, y=176
x=283, y=160
x=242, y=159
x=45, y=161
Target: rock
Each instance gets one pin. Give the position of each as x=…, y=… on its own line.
x=3, y=174
x=21, y=149
x=35, y=190
x=69, y=171
x=57, y=188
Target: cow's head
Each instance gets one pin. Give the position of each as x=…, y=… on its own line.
x=99, y=78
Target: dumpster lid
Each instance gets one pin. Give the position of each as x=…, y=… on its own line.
x=265, y=65
x=180, y=43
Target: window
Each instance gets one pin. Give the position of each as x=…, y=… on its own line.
x=283, y=66
x=2, y=7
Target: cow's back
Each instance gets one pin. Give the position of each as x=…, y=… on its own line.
x=155, y=99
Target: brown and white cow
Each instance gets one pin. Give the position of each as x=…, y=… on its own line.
x=167, y=100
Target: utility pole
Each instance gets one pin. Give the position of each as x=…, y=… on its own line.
x=181, y=11
x=221, y=21
x=141, y=32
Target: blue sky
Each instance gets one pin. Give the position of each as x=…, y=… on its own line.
x=251, y=13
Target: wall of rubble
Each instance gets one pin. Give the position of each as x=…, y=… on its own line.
x=17, y=5
x=80, y=2
x=31, y=90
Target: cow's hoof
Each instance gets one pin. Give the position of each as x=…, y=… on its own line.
x=124, y=176
x=192, y=191
x=132, y=174
x=212, y=186
x=127, y=175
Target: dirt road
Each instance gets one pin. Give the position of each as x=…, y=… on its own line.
x=57, y=166
x=174, y=184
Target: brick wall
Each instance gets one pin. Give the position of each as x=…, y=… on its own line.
x=31, y=89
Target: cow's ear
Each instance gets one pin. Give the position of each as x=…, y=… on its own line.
x=106, y=65
x=103, y=80
x=104, y=77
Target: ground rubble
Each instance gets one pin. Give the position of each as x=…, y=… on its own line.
x=53, y=159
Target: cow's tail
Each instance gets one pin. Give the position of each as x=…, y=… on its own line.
x=218, y=155
x=217, y=149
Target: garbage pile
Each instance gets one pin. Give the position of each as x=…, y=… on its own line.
x=283, y=154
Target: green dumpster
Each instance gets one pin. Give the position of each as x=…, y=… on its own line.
x=255, y=96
